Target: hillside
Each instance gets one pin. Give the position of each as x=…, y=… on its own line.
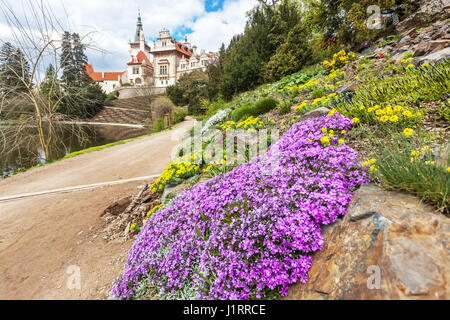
x=246, y=222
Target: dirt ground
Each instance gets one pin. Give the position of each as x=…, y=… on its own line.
x=48, y=240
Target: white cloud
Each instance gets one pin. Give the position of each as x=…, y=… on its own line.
x=115, y=21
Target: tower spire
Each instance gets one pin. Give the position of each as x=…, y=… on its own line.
x=139, y=28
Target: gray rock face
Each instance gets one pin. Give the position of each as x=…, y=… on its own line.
x=435, y=56
x=388, y=246
x=316, y=113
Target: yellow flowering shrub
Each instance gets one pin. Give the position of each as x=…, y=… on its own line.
x=182, y=168
x=250, y=124
x=396, y=115
x=339, y=59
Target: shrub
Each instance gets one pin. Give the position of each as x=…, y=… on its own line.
x=242, y=112
x=110, y=97
x=161, y=106
x=285, y=107
x=264, y=105
x=158, y=125
x=178, y=115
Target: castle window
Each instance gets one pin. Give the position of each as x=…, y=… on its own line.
x=163, y=70
x=135, y=70
x=138, y=81
x=192, y=64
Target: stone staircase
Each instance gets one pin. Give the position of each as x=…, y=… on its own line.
x=126, y=111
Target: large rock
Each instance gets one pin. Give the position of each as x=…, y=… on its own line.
x=436, y=56
x=319, y=112
x=427, y=47
x=388, y=246
x=428, y=11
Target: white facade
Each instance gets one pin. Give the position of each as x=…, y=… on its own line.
x=171, y=59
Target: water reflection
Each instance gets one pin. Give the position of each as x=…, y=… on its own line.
x=20, y=146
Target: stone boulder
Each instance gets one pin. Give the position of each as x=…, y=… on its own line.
x=428, y=11
x=427, y=47
x=435, y=56
x=387, y=246
x=319, y=112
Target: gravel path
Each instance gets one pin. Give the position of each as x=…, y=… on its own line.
x=46, y=236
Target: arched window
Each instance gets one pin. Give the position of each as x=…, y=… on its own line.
x=138, y=81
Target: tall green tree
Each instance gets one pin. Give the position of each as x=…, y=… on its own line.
x=267, y=28
x=292, y=55
x=14, y=70
x=85, y=97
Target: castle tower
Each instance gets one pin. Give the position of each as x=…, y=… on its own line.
x=139, y=29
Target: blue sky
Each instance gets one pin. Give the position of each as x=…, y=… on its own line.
x=206, y=23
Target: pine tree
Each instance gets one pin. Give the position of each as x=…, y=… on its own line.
x=50, y=87
x=66, y=60
x=291, y=56
x=14, y=70
x=84, y=97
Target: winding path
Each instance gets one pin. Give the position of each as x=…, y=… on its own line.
x=49, y=218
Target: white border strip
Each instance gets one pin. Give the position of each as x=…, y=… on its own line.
x=76, y=188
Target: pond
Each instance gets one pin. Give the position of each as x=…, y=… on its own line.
x=20, y=148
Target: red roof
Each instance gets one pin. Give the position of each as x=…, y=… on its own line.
x=182, y=50
x=140, y=58
x=102, y=76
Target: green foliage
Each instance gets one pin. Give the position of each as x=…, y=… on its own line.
x=242, y=112
x=84, y=96
x=407, y=165
x=216, y=106
x=260, y=107
x=190, y=89
x=426, y=83
x=14, y=70
x=285, y=107
x=158, y=125
x=178, y=114
x=110, y=97
x=292, y=55
x=444, y=110
x=246, y=56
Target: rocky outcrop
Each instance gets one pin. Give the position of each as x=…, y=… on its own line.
x=427, y=11
x=388, y=246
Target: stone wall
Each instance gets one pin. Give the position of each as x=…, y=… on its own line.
x=131, y=92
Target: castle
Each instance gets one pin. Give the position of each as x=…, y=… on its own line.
x=159, y=66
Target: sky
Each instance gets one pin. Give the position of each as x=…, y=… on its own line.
x=206, y=23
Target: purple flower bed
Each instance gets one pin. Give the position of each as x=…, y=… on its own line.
x=250, y=233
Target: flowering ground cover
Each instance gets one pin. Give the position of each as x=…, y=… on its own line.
x=250, y=233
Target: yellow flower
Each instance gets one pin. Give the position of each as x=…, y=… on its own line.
x=448, y=169
x=341, y=141
x=379, y=112
x=407, y=113
x=361, y=108
x=356, y=120
x=324, y=129
x=384, y=118
x=398, y=108
x=408, y=131
x=373, y=168
x=393, y=118
x=409, y=66
x=343, y=132
x=325, y=139
x=331, y=113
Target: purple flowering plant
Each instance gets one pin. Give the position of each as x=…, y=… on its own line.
x=250, y=233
